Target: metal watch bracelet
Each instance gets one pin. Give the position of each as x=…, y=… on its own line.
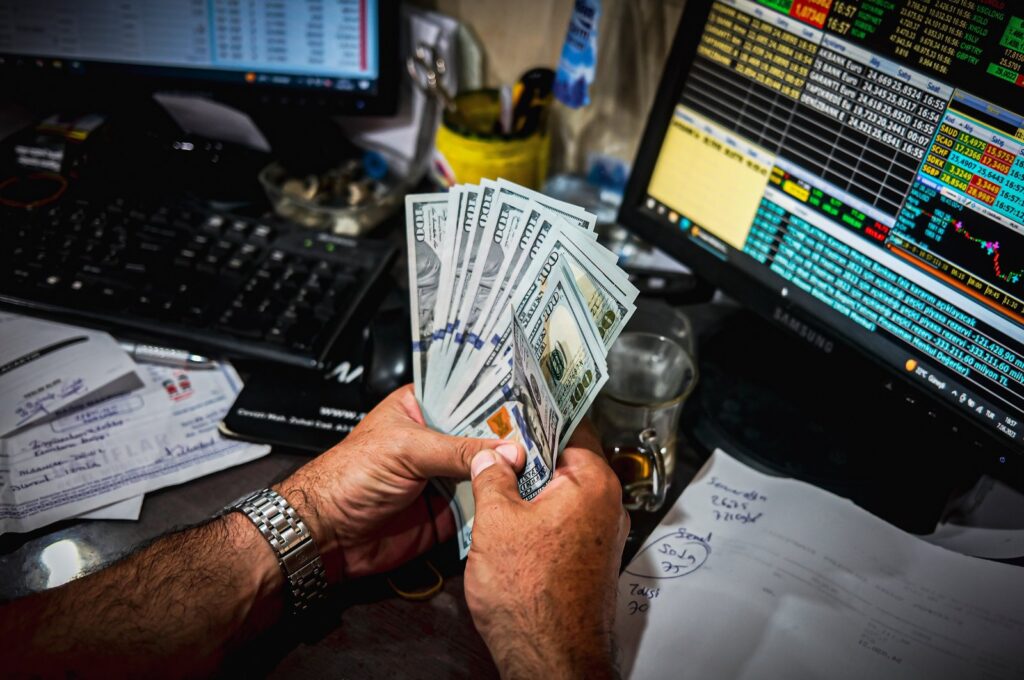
x=291, y=541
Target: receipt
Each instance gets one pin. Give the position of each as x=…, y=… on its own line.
x=124, y=446
x=46, y=366
x=751, y=576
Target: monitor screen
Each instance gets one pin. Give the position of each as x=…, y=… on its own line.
x=319, y=45
x=861, y=161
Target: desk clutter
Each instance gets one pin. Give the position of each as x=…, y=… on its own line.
x=514, y=305
x=86, y=431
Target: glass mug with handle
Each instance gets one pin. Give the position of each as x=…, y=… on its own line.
x=637, y=413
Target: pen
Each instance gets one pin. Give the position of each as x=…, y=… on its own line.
x=166, y=356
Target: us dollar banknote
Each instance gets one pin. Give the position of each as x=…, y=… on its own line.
x=565, y=343
x=426, y=217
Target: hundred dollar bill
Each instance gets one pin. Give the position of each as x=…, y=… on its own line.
x=563, y=339
x=605, y=290
x=476, y=286
x=474, y=222
x=570, y=214
x=541, y=422
x=425, y=216
x=463, y=507
x=442, y=300
x=503, y=227
x=467, y=248
x=529, y=247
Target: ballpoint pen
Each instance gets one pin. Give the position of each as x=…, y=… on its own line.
x=167, y=356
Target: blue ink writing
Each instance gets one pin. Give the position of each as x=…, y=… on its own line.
x=746, y=495
x=673, y=555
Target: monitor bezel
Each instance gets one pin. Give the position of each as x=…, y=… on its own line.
x=726, y=276
x=112, y=84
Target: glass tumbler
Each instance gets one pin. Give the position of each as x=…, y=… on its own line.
x=637, y=413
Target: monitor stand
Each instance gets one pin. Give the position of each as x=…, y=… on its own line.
x=768, y=398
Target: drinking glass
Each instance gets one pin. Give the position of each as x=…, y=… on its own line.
x=637, y=413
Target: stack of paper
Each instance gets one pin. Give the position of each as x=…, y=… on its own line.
x=751, y=576
x=87, y=431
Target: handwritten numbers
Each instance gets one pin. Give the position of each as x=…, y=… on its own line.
x=741, y=517
x=727, y=503
x=676, y=554
x=638, y=605
x=735, y=505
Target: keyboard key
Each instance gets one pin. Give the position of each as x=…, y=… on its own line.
x=239, y=228
x=235, y=265
x=262, y=233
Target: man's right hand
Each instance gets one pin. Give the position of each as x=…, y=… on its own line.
x=541, y=575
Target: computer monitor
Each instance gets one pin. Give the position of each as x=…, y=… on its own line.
x=854, y=170
x=338, y=54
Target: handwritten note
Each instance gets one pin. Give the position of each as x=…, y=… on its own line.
x=751, y=576
x=121, y=447
x=675, y=554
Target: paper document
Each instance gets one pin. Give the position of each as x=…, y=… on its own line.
x=128, y=509
x=46, y=366
x=121, y=447
x=751, y=576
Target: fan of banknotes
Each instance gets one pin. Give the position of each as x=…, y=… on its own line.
x=514, y=305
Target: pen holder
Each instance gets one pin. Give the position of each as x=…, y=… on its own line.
x=468, y=149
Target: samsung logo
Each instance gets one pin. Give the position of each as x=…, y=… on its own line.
x=812, y=336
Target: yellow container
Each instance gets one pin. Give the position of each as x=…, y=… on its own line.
x=469, y=156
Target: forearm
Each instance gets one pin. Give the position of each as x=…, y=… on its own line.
x=589, y=656
x=554, y=636
x=173, y=608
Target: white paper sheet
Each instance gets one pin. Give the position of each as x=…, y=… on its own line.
x=164, y=434
x=46, y=366
x=751, y=576
x=1000, y=544
x=128, y=509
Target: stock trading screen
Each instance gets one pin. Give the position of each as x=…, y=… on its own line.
x=872, y=153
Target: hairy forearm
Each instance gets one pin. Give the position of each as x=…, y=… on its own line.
x=577, y=642
x=173, y=608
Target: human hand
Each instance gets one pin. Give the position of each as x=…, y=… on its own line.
x=541, y=575
x=361, y=498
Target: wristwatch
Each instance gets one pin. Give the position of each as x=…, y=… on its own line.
x=291, y=541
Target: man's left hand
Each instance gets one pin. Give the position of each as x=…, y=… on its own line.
x=362, y=499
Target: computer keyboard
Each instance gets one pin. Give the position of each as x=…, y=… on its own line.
x=188, y=276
